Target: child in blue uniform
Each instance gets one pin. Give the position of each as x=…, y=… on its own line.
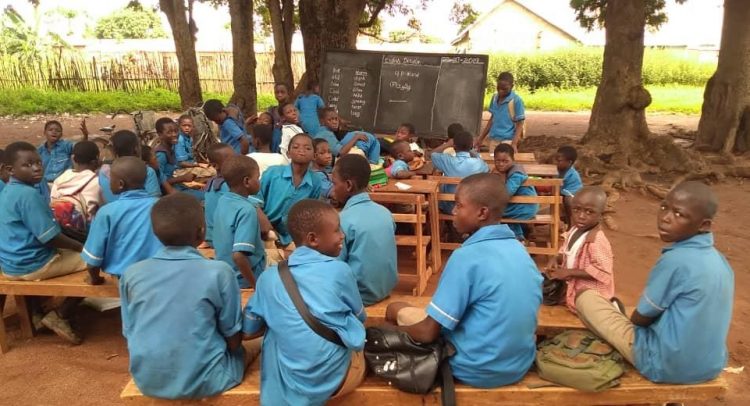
x=166, y=128
x=328, y=287
x=308, y=104
x=369, y=231
x=366, y=142
x=34, y=247
x=125, y=143
x=181, y=313
x=461, y=165
x=403, y=154
x=321, y=165
x=55, y=152
x=236, y=226
x=329, y=122
x=216, y=186
x=4, y=175
x=231, y=130
x=565, y=158
x=678, y=332
x=514, y=176
x=488, y=296
x=508, y=116
x=281, y=94
x=121, y=233
x=284, y=185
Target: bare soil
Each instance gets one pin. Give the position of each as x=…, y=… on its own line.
x=45, y=371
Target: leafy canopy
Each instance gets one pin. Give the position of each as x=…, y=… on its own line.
x=131, y=22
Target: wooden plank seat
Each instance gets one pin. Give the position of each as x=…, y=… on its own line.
x=531, y=390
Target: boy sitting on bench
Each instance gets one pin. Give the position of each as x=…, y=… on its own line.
x=487, y=299
x=678, y=332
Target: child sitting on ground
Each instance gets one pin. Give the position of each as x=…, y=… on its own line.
x=369, y=231
x=55, y=152
x=488, y=296
x=678, y=331
x=514, y=176
x=181, y=313
x=125, y=143
x=403, y=154
x=329, y=290
x=184, y=151
x=166, y=128
x=364, y=141
x=284, y=185
x=121, y=233
x=586, y=259
x=216, y=186
x=231, y=130
x=262, y=140
x=460, y=166
x=289, y=126
x=281, y=94
x=565, y=158
x=76, y=196
x=321, y=165
x=308, y=104
x=236, y=234
x=34, y=248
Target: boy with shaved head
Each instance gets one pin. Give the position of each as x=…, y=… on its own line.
x=121, y=233
x=678, y=332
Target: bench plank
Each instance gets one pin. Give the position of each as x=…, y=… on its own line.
x=72, y=285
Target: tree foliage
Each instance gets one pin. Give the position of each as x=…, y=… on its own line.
x=23, y=40
x=131, y=22
x=590, y=13
x=463, y=14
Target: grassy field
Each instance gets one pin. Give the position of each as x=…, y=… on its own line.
x=666, y=99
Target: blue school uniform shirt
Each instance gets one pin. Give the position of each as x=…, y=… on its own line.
x=292, y=376
x=215, y=188
x=26, y=225
x=57, y=160
x=369, y=247
x=371, y=147
x=2, y=185
x=690, y=292
x=177, y=310
x=121, y=233
x=167, y=165
x=572, y=182
x=459, y=166
x=326, y=184
x=231, y=132
x=152, y=187
x=324, y=133
x=308, y=105
x=398, y=166
x=525, y=211
x=487, y=306
x=184, y=148
x=279, y=194
x=236, y=229
x=503, y=126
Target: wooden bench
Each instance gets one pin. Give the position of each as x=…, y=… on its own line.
x=521, y=157
x=532, y=390
x=552, y=220
x=418, y=241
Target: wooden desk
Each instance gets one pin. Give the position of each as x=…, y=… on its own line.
x=429, y=188
x=541, y=170
x=520, y=157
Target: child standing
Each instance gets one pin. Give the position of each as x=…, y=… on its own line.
x=166, y=128
x=231, y=131
x=55, y=152
x=308, y=104
x=322, y=165
x=216, y=186
x=79, y=187
x=34, y=248
x=181, y=313
x=125, y=143
x=678, y=331
x=514, y=177
x=236, y=234
x=282, y=186
x=289, y=126
x=403, y=154
x=369, y=231
x=328, y=288
x=460, y=166
x=586, y=259
x=262, y=140
x=508, y=115
x=486, y=308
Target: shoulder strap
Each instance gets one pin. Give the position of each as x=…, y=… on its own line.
x=291, y=288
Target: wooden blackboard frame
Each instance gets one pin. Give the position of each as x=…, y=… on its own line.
x=485, y=58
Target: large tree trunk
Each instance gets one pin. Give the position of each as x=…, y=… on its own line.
x=184, y=42
x=725, y=118
x=243, y=55
x=282, y=24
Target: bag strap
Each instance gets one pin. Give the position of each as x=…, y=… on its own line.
x=448, y=386
x=291, y=288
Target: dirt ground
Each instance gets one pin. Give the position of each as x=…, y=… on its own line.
x=45, y=371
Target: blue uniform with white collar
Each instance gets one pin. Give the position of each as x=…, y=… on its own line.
x=236, y=229
x=690, y=292
x=184, y=148
x=488, y=307
x=121, y=233
x=459, y=166
x=215, y=188
x=503, y=125
x=232, y=132
x=278, y=192
x=177, y=309
x=56, y=160
x=308, y=105
x=292, y=376
x=26, y=225
x=525, y=211
x=572, y=182
x=152, y=187
x=369, y=247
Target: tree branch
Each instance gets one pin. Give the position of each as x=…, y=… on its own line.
x=374, y=15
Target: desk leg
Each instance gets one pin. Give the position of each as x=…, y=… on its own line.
x=435, y=231
x=24, y=316
x=4, y=346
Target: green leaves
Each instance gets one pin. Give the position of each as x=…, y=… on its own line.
x=130, y=23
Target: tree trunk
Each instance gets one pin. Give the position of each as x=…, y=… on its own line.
x=327, y=24
x=282, y=25
x=243, y=56
x=725, y=119
x=184, y=43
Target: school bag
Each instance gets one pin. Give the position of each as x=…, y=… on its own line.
x=71, y=212
x=410, y=366
x=580, y=360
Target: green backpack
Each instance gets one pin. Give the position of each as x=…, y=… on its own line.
x=579, y=359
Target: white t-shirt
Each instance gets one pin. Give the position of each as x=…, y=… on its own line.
x=266, y=159
x=571, y=252
x=287, y=132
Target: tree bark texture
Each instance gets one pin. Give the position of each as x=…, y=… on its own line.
x=243, y=51
x=725, y=118
x=282, y=25
x=184, y=42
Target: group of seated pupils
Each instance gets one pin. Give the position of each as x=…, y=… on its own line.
x=138, y=219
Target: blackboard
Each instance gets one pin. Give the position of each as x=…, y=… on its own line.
x=377, y=91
